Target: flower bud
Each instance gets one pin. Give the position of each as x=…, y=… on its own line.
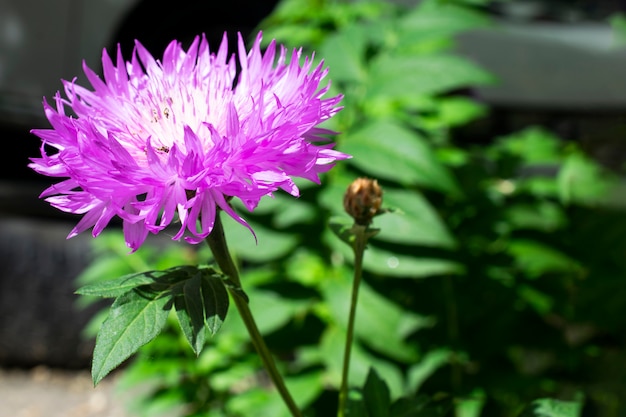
x=363, y=200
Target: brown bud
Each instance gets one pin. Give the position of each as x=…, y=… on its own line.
x=363, y=200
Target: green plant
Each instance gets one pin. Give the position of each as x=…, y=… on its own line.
x=496, y=279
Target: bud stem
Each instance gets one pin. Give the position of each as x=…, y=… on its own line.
x=361, y=236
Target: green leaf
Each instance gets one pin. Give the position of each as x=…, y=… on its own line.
x=422, y=406
x=397, y=265
x=582, y=181
x=344, y=53
x=342, y=228
x=451, y=112
x=387, y=150
x=470, y=406
x=271, y=244
x=331, y=350
x=547, y=407
x=262, y=402
x=618, y=24
x=409, y=406
x=437, y=18
x=539, y=301
x=376, y=395
x=116, y=287
x=544, y=215
x=379, y=323
x=536, y=258
x=413, y=221
x=271, y=312
x=533, y=146
x=135, y=318
x=203, y=304
x=428, y=365
x=407, y=76
x=355, y=406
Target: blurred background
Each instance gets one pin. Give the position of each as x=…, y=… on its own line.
x=512, y=187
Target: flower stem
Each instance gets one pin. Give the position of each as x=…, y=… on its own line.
x=217, y=243
x=361, y=237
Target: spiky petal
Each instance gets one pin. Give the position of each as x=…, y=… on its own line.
x=159, y=141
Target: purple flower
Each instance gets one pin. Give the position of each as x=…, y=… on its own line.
x=160, y=140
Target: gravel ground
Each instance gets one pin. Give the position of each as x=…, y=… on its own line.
x=44, y=392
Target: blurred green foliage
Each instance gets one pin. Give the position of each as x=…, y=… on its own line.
x=496, y=280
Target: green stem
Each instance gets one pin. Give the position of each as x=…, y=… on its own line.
x=217, y=243
x=359, y=248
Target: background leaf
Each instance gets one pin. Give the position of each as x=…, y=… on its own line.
x=376, y=395
x=553, y=408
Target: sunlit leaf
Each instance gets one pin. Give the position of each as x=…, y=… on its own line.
x=428, y=365
x=412, y=221
x=116, y=287
x=534, y=146
x=438, y=18
x=135, y=318
x=271, y=244
x=379, y=323
x=582, y=181
x=401, y=76
x=470, y=406
x=536, y=258
x=331, y=351
x=344, y=53
x=387, y=150
x=546, y=216
x=547, y=407
x=393, y=264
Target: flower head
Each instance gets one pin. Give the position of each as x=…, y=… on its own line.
x=176, y=138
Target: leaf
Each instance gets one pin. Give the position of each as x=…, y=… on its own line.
x=331, y=351
x=544, y=215
x=409, y=406
x=271, y=312
x=342, y=228
x=618, y=25
x=116, y=287
x=470, y=406
x=135, y=318
x=406, y=76
x=344, y=53
x=376, y=395
x=355, y=406
x=397, y=265
x=413, y=221
x=536, y=258
x=422, y=406
x=582, y=181
x=428, y=365
x=379, y=323
x=437, y=18
x=271, y=244
x=262, y=402
x=387, y=150
x=203, y=304
x=547, y=407
x=534, y=145
x=451, y=112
